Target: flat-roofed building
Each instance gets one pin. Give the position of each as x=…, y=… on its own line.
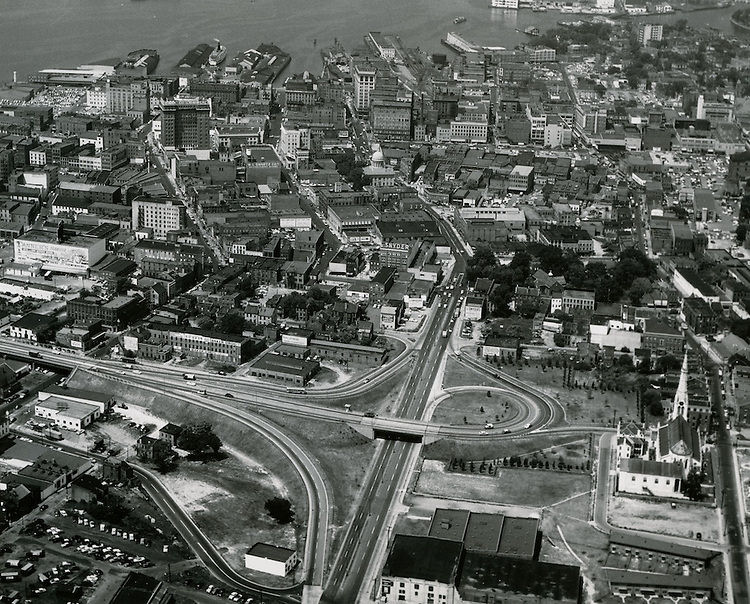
x=296, y=371
x=520, y=538
x=67, y=414
x=56, y=252
x=271, y=559
x=160, y=214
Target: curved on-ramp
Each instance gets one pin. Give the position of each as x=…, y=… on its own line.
x=316, y=542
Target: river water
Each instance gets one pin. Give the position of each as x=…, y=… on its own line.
x=35, y=34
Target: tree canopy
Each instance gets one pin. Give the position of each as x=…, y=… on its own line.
x=196, y=438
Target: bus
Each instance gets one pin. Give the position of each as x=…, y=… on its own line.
x=291, y=390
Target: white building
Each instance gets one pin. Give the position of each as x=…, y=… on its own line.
x=364, y=83
x=76, y=254
x=279, y=561
x=511, y=4
x=157, y=213
x=654, y=478
x=67, y=414
x=648, y=32
x=294, y=143
x=468, y=131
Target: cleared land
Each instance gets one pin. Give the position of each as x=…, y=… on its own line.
x=534, y=488
x=658, y=517
x=232, y=491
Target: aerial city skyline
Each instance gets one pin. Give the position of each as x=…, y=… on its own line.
x=425, y=303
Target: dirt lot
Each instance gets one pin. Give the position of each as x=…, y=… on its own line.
x=476, y=408
x=658, y=517
x=534, y=488
x=218, y=493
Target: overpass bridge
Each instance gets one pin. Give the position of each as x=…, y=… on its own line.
x=397, y=429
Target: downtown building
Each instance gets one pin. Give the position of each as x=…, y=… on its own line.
x=185, y=123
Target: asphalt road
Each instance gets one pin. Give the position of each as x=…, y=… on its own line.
x=728, y=493
x=380, y=490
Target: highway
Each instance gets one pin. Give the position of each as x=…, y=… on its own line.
x=381, y=486
x=728, y=493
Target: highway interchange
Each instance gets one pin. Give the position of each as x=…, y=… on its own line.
x=340, y=577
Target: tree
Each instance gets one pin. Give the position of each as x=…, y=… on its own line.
x=691, y=486
x=196, y=438
x=231, y=322
x=280, y=510
x=668, y=362
x=559, y=339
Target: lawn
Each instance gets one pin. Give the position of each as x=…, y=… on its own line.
x=226, y=499
x=446, y=449
x=457, y=375
x=534, y=488
x=584, y=405
x=659, y=517
x=476, y=408
x=344, y=455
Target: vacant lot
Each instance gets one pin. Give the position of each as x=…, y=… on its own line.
x=458, y=375
x=241, y=482
x=476, y=408
x=659, y=517
x=518, y=487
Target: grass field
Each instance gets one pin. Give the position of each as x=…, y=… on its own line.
x=459, y=375
x=584, y=406
x=446, y=449
x=517, y=487
x=659, y=517
x=476, y=407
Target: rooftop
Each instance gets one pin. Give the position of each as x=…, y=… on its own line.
x=449, y=524
x=519, y=537
x=270, y=552
x=425, y=558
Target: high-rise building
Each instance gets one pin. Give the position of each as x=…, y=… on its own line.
x=648, y=32
x=185, y=123
x=162, y=214
x=391, y=120
x=294, y=144
x=365, y=75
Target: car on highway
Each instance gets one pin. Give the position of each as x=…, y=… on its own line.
x=506, y=431
x=229, y=395
x=369, y=414
x=483, y=432
x=489, y=426
x=527, y=426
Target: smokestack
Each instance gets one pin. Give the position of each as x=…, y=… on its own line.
x=60, y=232
x=15, y=77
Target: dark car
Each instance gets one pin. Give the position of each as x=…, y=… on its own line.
x=229, y=395
x=369, y=414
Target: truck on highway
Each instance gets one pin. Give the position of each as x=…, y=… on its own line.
x=291, y=390
x=189, y=376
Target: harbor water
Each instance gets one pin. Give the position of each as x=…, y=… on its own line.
x=35, y=34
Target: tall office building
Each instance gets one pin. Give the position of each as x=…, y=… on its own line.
x=185, y=123
x=365, y=75
x=648, y=32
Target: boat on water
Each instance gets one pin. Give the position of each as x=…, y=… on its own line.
x=532, y=31
x=539, y=8
x=459, y=20
x=218, y=56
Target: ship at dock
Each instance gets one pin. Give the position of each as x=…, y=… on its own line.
x=139, y=63
x=218, y=55
x=532, y=31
